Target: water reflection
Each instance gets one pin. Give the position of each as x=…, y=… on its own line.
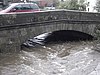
x=73, y=58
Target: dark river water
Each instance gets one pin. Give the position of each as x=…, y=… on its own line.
x=73, y=58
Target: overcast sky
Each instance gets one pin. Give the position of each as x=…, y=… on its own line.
x=92, y=4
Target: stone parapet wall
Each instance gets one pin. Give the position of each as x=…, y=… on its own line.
x=23, y=18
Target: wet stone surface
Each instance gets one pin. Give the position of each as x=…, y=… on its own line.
x=73, y=58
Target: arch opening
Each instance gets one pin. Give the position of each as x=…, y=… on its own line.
x=57, y=36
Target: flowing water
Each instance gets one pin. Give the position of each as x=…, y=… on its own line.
x=73, y=58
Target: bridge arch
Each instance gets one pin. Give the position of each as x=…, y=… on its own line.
x=60, y=36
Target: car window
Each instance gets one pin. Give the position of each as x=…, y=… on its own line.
x=26, y=7
x=34, y=6
x=18, y=7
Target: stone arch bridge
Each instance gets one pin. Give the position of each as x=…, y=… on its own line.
x=17, y=28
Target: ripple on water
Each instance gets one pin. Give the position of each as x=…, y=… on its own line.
x=73, y=58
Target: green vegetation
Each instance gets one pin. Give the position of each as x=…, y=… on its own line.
x=73, y=5
x=97, y=7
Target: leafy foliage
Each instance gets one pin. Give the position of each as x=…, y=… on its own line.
x=97, y=7
x=73, y=5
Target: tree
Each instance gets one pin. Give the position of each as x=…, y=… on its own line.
x=97, y=7
x=82, y=5
x=55, y=3
x=73, y=5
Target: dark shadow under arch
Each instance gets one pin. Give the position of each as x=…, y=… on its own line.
x=68, y=35
x=57, y=36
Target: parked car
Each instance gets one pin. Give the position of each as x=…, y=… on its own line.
x=21, y=7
